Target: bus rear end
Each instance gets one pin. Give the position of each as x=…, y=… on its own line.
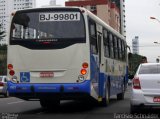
x=48, y=55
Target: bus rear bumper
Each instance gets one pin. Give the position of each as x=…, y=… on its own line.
x=37, y=91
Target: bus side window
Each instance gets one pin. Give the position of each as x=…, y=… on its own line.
x=93, y=37
x=106, y=43
x=119, y=49
x=111, y=45
x=115, y=47
x=123, y=51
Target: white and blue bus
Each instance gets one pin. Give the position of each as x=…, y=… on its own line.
x=65, y=53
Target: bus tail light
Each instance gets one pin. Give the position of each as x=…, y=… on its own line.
x=85, y=65
x=136, y=83
x=84, y=68
x=10, y=66
x=11, y=72
x=83, y=71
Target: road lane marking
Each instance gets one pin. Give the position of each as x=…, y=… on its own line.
x=15, y=102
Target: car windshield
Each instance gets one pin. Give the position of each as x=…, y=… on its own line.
x=149, y=69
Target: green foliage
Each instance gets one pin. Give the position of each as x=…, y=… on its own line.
x=134, y=60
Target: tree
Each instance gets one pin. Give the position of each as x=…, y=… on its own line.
x=2, y=33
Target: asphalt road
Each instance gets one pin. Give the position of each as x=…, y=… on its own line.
x=15, y=108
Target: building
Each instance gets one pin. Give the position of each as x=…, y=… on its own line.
x=123, y=17
x=51, y=4
x=7, y=7
x=110, y=11
x=135, y=45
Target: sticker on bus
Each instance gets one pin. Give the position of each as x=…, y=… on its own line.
x=59, y=16
x=46, y=74
x=24, y=77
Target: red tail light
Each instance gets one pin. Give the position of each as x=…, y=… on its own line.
x=1, y=84
x=136, y=83
x=10, y=66
x=83, y=71
x=11, y=72
x=85, y=65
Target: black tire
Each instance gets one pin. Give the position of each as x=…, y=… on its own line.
x=106, y=99
x=49, y=104
x=6, y=94
x=133, y=109
x=120, y=96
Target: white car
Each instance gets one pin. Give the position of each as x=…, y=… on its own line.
x=3, y=86
x=146, y=87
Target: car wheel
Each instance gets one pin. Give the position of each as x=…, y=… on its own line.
x=120, y=96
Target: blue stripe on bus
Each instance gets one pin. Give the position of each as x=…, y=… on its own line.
x=94, y=72
x=116, y=83
x=102, y=83
x=51, y=88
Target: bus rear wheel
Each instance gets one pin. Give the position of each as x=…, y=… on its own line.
x=120, y=96
x=106, y=99
x=49, y=104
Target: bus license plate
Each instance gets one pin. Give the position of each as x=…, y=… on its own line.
x=46, y=74
x=156, y=99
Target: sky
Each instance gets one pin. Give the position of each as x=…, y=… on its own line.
x=138, y=23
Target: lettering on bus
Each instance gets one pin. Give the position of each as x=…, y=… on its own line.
x=46, y=74
x=65, y=16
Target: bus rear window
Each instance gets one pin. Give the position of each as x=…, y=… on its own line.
x=48, y=26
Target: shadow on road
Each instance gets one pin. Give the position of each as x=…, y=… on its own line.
x=71, y=107
x=148, y=111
